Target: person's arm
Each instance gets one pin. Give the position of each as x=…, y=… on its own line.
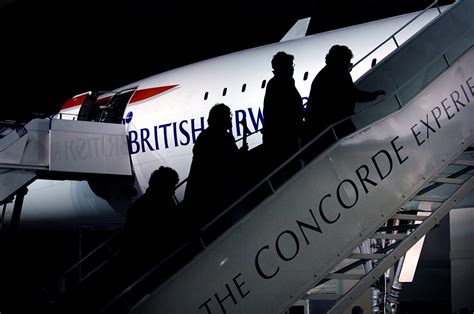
x=364, y=96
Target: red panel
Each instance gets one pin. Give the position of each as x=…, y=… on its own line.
x=75, y=101
x=142, y=94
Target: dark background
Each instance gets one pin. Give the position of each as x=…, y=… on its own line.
x=54, y=50
x=51, y=51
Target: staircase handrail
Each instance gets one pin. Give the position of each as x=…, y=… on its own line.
x=92, y=252
x=398, y=31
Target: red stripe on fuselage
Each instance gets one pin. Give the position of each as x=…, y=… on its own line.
x=143, y=94
x=73, y=102
x=139, y=95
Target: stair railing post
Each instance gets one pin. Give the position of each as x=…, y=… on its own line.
x=15, y=219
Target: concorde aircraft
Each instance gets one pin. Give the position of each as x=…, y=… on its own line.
x=163, y=114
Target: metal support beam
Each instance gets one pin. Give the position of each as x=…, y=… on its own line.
x=401, y=249
x=15, y=219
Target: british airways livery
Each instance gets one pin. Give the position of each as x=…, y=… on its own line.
x=164, y=114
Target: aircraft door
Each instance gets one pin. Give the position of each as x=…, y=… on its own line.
x=113, y=111
x=110, y=111
x=89, y=111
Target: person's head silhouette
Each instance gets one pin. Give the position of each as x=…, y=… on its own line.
x=357, y=310
x=220, y=117
x=282, y=64
x=339, y=56
x=163, y=180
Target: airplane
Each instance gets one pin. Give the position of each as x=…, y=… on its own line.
x=163, y=114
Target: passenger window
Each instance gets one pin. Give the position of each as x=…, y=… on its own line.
x=224, y=92
x=264, y=83
x=206, y=95
x=305, y=76
x=244, y=87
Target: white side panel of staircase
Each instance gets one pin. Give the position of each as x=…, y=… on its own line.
x=89, y=147
x=12, y=148
x=37, y=148
x=29, y=150
x=291, y=240
x=418, y=61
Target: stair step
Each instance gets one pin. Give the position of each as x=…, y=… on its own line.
x=389, y=236
x=448, y=180
x=425, y=198
x=463, y=162
x=366, y=256
x=345, y=276
x=409, y=217
x=321, y=296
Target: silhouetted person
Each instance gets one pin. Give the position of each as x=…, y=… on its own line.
x=150, y=234
x=214, y=178
x=333, y=95
x=283, y=113
x=149, y=218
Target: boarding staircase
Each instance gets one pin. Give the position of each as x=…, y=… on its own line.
x=59, y=149
x=352, y=212
x=379, y=260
